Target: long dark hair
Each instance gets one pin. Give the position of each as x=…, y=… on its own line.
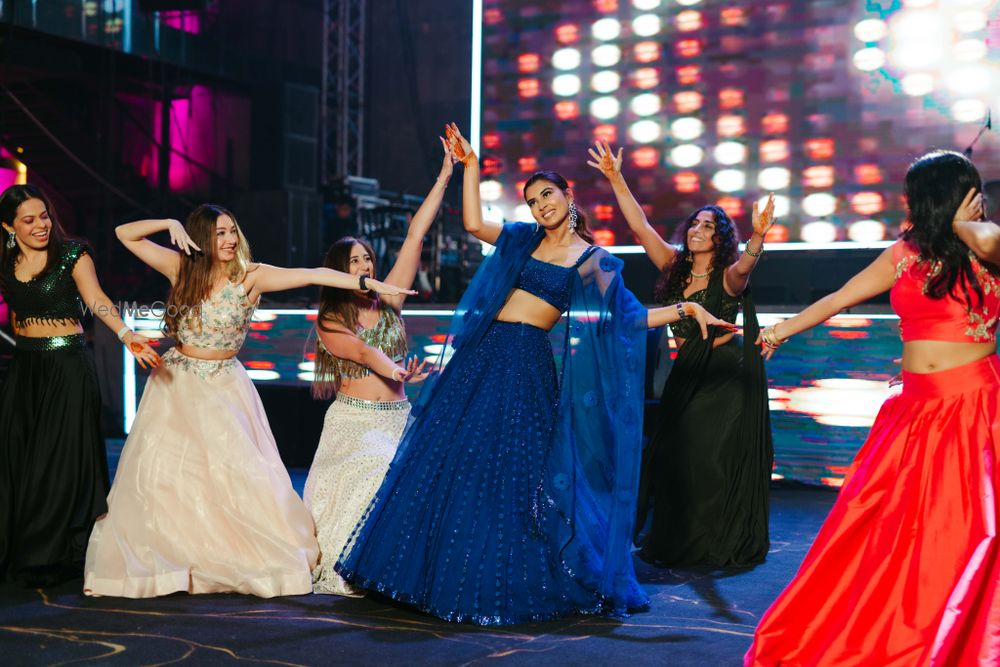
x=726, y=238
x=935, y=186
x=337, y=306
x=10, y=200
x=582, y=228
x=195, y=275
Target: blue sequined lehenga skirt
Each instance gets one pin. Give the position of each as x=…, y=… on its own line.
x=461, y=527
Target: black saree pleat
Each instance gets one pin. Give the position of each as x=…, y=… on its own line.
x=707, y=467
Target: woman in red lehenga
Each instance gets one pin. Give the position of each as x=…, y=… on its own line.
x=905, y=570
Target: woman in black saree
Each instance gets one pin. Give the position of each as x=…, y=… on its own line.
x=707, y=466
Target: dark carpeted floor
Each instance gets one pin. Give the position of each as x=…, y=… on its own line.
x=697, y=618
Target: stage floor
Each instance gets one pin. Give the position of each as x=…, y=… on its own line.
x=696, y=618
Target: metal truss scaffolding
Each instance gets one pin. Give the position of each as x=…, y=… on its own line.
x=343, y=89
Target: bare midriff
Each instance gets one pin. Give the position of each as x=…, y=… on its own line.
x=527, y=308
x=205, y=354
x=931, y=356
x=373, y=388
x=48, y=330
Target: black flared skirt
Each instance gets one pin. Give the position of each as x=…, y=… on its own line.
x=53, y=465
x=711, y=471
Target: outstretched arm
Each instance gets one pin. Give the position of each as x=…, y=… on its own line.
x=94, y=298
x=267, y=278
x=874, y=279
x=660, y=252
x=405, y=269
x=657, y=317
x=738, y=273
x=164, y=260
x=472, y=208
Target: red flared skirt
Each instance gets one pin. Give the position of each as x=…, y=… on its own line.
x=905, y=570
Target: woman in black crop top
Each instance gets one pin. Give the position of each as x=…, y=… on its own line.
x=53, y=470
x=706, y=469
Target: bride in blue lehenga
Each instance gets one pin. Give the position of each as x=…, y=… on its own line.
x=512, y=495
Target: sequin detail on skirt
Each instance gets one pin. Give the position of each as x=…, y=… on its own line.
x=461, y=528
x=358, y=442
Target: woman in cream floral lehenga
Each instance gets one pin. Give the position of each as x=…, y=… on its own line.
x=201, y=501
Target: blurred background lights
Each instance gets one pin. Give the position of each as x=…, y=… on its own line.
x=730, y=152
x=968, y=111
x=605, y=108
x=606, y=29
x=646, y=5
x=606, y=81
x=729, y=180
x=490, y=190
x=819, y=231
x=918, y=84
x=606, y=55
x=646, y=25
x=870, y=30
x=782, y=205
x=686, y=129
x=645, y=131
x=686, y=155
x=819, y=204
x=567, y=58
x=774, y=178
x=869, y=59
x=866, y=231
x=566, y=85
x=645, y=104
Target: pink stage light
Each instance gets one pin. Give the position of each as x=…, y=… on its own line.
x=820, y=149
x=730, y=98
x=646, y=52
x=688, y=75
x=528, y=87
x=686, y=182
x=645, y=157
x=528, y=62
x=567, y=110
x=567, y=33
x=774, y=123
x=604, y=237
x=774, y=150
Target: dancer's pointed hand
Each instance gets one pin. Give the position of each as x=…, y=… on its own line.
x=179, y=237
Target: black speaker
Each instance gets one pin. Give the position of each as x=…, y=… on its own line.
x=172, y=5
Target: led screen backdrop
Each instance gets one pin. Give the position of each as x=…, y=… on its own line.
x=825, y=102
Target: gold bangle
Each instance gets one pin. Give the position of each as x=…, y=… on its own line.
x=750, y=252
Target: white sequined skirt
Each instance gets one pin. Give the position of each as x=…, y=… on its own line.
x=201, y=501
x=358, y=442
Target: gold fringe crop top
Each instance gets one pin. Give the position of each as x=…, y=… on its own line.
x=388, y=335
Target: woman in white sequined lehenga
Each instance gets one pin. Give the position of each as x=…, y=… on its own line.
x=201, y=501
x=360, y=345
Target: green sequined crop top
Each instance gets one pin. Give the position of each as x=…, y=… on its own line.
x=51, y=297
x=688, y=327
x=388, y=335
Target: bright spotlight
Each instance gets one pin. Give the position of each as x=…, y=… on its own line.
x=730, y=152
x=819, y=231
x=606, y=29
x=490, y=190
x=645, y=131
x=687, y=128
x=646, y=25
x=869, y=59
x=604, y=108
x=606, y=55
x=866, y=231
x=566, y=85
x=918, y=84
x=819, y=204
x=606, y=81
x=729, y=180
x=870, y=30
x=968, y=110
x=774, y=178
x=686, y=155
x=782, y=205
x=646, y=104
x=567, y=58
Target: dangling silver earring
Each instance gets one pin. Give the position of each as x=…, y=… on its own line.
x=11, y=243
x=573, y=216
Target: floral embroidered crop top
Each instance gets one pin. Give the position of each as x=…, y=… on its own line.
x=388, y=335
x=220, y=322
x=946, y=319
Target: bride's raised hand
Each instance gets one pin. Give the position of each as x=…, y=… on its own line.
x=605, y=161
x=459, y=144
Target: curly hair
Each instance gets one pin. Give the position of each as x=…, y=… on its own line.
x=936, y=184
x=726, y=238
